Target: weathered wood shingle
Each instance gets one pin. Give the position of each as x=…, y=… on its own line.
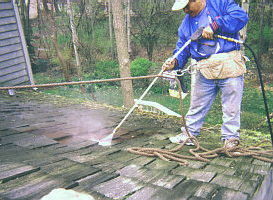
x=44, y=146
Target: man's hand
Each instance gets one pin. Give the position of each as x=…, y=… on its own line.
x=169, y=64
x=208, y=33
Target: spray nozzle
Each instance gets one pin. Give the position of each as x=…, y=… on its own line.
x=197, y=34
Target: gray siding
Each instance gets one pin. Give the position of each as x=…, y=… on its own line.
x=14, y=63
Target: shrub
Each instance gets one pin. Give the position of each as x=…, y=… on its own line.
x=140, y=67
x=40, y=65
x=106, y=69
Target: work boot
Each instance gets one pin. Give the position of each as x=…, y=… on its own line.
x=180, y=138
x=230, y=143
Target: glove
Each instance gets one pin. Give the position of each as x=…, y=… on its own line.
x=208, y=33
x=169, y=64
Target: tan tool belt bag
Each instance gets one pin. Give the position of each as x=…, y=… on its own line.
x=222, y=65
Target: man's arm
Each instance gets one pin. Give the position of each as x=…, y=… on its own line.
x=232, y=17
x=182, y=58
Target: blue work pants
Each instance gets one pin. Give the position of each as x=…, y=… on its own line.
x=204, y=95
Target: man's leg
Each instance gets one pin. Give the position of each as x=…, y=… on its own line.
x=232, y=94
x=204, y=95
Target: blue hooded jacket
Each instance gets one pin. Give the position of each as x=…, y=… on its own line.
x=225, y=17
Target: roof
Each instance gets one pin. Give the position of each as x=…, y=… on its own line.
x=50, y=142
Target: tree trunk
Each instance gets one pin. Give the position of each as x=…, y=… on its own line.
x=75, y=41
x=261, y=33
x=66, y=73
x=28, y=32
x=150, y=50
x=39, y=25
x=123, y=55
x=129, y=27
x=93, y=16
x=24, y=15
x=270, y=17
x=56, y=6
x=243, y=32
x=22, y=12
x=45, y=6
x=111, y=28
x=27, y=22
x=245, y=6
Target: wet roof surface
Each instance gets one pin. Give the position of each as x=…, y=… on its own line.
x=48, y=142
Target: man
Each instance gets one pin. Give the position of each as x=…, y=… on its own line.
x=219, y=63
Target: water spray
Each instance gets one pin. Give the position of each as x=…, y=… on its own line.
x=108, y=139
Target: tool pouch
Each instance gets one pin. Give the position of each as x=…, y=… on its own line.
x=222, y=65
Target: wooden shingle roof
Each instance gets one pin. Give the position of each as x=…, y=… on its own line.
x=46, y=143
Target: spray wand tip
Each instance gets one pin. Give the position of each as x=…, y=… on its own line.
x=107, y=140
x=105, y=143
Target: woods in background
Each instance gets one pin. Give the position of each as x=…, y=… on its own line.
x=80, y=39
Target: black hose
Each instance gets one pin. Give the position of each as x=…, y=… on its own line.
x=263, y=91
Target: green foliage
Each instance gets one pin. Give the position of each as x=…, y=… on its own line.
x=42, y=78
x=103, y=44
x=106, y=69
x=144, y=67
x=267, y=38
x=140, y=67
x=40, y=65
x=253, y=28
x=253, y=36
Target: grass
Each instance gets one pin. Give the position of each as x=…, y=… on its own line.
x=253, y=111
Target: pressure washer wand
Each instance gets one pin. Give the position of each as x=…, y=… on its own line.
x=107, y=140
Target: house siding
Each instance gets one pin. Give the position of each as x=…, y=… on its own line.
x=15, y=67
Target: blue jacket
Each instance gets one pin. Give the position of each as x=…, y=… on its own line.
x=224, y=16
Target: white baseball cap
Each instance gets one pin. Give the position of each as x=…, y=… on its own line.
x=179, y=4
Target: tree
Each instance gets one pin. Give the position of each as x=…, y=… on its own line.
x=111, y=28
x=75, y=41
x=150, y=23
x=260, y=28
x=45, y=5
x=89, y=9
x=128, y=14
x=245, y=6
x=122, y=51
x=25, y=19
x=93, y=10
x=66, y=73
x=243, y=32
x=261, y=32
